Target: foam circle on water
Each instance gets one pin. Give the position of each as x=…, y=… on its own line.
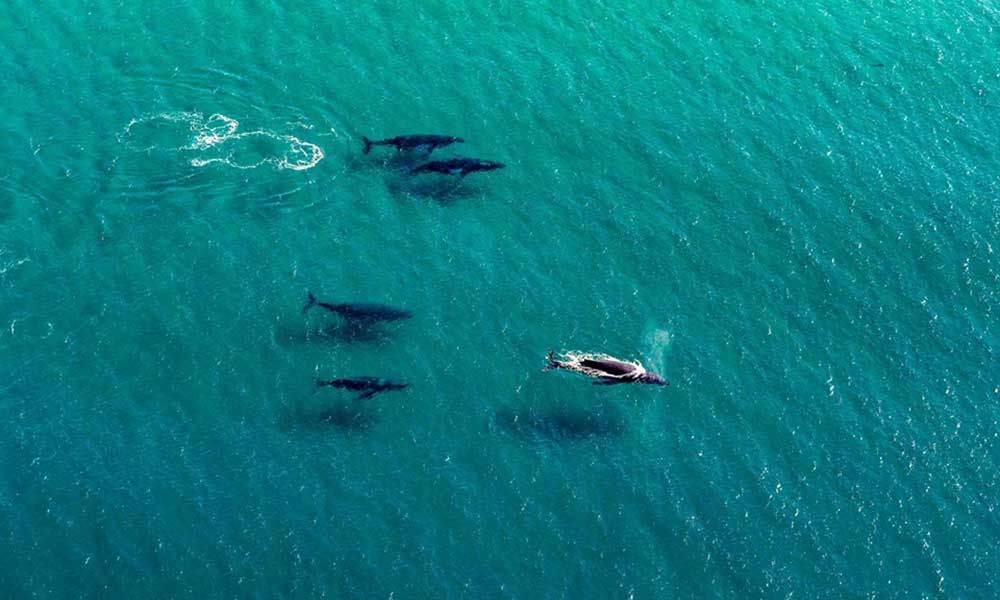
x=218, y=140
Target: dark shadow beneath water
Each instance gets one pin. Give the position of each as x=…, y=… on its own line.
x=395, y=162
x=347, y=418
x=341, y=333
x=558, y=424
x=443, y=189
x=351, y=333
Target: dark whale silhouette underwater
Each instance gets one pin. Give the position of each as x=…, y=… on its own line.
x=422, y=142
x=363, y=312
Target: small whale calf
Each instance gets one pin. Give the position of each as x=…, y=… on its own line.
x=362, y=312
x=608, y=370
x=367, y=386
x=457, y=166
x=422, y=142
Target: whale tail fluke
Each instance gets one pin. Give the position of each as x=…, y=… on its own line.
x=368, y=144
x=311, y=302
x=552, y=363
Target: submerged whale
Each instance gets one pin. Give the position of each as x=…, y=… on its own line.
x=457, y=166
x=368, y=386
x=608, y=370
x=362, y=312
x=424, y=142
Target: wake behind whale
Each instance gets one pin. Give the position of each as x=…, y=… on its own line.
x=216, y=139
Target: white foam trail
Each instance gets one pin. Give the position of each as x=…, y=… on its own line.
x=311, y=154
x=220, y=133
x=215, y=130
x=7, y=265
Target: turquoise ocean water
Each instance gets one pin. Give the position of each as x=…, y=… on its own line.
x=789, y=209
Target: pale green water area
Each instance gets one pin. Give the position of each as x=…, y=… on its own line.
x=789, y=209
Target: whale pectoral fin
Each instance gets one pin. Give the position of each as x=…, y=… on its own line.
x=367, y=395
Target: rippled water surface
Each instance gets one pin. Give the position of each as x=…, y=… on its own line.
x=789, y=210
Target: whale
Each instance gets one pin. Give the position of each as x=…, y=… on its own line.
x=607, y=369
x=424, y=142
x=367, y=386
x=361, y=312
x=457, y=166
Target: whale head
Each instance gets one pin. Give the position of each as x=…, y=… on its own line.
x=654, y=379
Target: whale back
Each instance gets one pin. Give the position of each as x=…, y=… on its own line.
x=369, y=311
x=609, y=366
x=602, y=365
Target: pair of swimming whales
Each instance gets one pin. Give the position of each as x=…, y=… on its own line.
x=361, y=314
x=427, y=143
x=608, y=370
